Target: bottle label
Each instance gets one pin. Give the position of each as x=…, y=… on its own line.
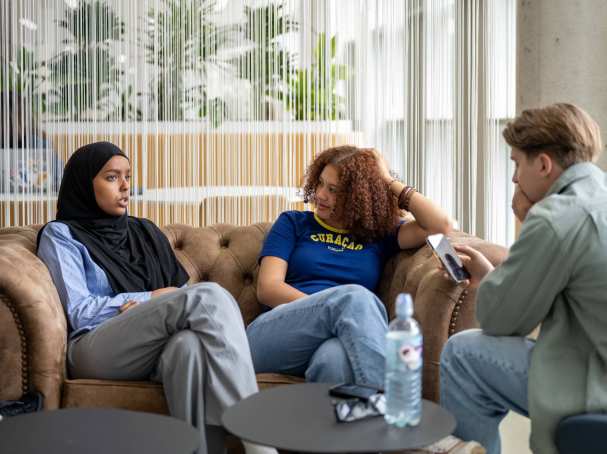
x=411, y=355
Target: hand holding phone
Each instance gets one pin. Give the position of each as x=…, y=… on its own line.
x=446, y=254
x=477, y=265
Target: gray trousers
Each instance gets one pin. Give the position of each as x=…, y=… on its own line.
x=192, y=341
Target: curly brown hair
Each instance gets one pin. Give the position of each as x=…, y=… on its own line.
x=364, y=202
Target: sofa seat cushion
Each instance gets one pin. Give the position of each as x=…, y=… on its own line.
x=269, y=380
x=137, y=395
x=129, y=395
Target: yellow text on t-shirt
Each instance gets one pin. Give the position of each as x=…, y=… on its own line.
x=336, y=239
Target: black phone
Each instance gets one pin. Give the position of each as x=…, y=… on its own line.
x=349, y=390
x=449, y=258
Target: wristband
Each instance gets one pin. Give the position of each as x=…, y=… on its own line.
x=405, y=197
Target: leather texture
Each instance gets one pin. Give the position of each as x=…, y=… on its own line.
x=33, y=327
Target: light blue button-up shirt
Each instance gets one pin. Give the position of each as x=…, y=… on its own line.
x=83, y=287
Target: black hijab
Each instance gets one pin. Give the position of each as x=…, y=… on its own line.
x=133, y=252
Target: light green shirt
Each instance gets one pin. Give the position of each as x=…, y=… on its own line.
x=556, y=275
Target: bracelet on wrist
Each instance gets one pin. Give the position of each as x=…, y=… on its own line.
x=405, y=197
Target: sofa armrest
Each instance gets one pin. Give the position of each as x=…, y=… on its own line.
x=33, y=328
x=442, y=307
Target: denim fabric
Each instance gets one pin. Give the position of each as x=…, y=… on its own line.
x=482, y=378
x=333, y=336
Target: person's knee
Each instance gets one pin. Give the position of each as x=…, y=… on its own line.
x=330, y=363
x=356, y=290
x=210, y=289
x=459, y=346
x=216, y=299
x=360, y=300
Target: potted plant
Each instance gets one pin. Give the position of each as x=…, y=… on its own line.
x=23, y=76
x=182, y=45
x=313, y=90
x=85, y=71
x=264, y=62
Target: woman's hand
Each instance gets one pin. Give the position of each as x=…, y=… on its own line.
x=126, y=306
x=475, y=263
x=162, y=291
x=382, y=166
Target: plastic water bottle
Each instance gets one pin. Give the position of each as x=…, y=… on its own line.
x=403, y=387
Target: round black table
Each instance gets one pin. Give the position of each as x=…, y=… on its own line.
x=301, y=418
x=96, y=431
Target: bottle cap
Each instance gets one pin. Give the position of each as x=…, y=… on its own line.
x=404, y=305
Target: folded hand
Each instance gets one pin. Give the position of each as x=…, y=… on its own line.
x=382, y=166
x=520, y=204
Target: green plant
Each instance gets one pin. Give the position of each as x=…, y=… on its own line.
x=182, y=44
x=265, y=63
x=313, y=91
x=23, y=76
x=85, y=76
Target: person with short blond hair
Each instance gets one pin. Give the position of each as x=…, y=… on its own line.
x=564, y=131
x=554, y=276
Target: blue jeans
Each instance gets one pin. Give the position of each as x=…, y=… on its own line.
x=333, y=336
x=482, y=378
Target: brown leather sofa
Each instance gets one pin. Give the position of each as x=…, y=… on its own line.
x=33, y=328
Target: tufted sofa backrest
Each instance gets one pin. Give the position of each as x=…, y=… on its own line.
x=33, y=328
x=225, y=254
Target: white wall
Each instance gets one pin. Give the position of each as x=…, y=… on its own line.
x=562, y=56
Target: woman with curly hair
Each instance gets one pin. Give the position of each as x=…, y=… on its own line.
x=319, y=270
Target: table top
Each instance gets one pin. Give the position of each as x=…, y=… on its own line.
x=96, y=431
x=301, y=418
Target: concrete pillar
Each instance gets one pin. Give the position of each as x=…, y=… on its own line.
x=562, y=56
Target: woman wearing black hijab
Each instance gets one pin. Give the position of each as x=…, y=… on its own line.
x=130, y=316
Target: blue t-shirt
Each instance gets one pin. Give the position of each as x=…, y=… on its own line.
x=320, y=256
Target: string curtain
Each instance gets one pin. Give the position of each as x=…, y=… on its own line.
x=221, y=105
